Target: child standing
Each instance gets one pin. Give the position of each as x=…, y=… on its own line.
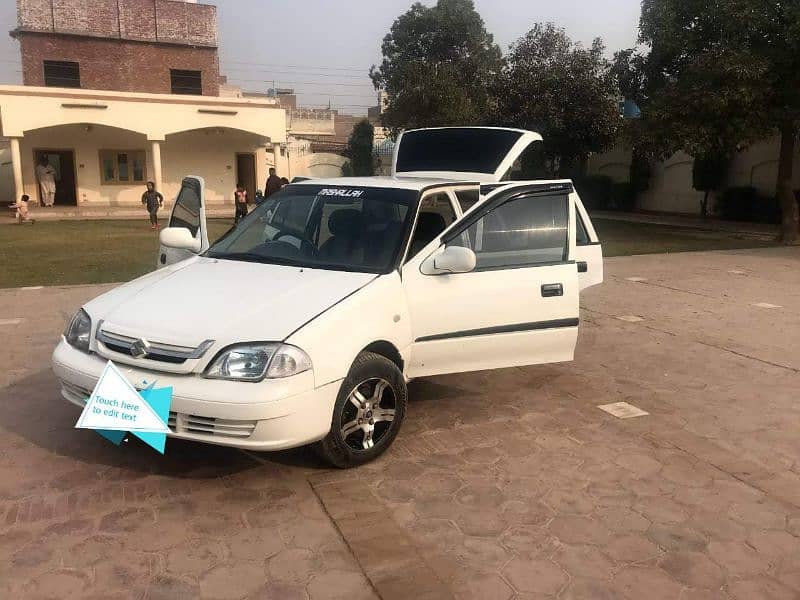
x=22, y=210
x=153, y=200
x=240, y=200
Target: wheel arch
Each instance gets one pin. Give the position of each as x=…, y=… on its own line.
x=387, y=350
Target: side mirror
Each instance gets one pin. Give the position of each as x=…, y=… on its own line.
x=450, y=259
x=180, y=238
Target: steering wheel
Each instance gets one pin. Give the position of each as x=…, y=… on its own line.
x=306, y=246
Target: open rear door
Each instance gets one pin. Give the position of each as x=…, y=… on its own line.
x=588, y=252
x=189, y=212
x=483, y=154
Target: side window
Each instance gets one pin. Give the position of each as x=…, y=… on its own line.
x=581, y=236
x=186, y=212
x=523, y=232
x=435, y=215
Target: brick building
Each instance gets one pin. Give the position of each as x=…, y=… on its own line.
x=156, y=46
x=120, y=92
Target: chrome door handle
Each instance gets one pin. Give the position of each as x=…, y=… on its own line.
x=551, y=290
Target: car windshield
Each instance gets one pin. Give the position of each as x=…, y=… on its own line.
x=326, y=227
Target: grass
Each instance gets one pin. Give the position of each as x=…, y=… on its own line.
x=75, y=252
x=622, y=238
x=72, y=252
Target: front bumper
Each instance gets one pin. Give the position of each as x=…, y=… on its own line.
x=273, y=414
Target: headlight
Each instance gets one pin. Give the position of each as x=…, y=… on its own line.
x=254, y=362
x=79, y=331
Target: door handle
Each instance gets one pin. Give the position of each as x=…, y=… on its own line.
x=551, y=290
x=583, y=267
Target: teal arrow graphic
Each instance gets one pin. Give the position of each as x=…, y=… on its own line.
x=159, y=400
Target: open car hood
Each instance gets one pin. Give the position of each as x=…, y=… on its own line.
x=483, y=154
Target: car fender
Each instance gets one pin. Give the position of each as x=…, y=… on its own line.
x=376, y=312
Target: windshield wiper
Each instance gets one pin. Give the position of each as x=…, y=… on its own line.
x=252, y=257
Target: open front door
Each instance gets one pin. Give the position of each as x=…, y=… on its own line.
x=189, y=213
x=518, y=306
x=483, y=154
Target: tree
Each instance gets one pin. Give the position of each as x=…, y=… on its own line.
x=562, y=90
x=359, y=149
x=708, y=175
x=438, y=65
x=722, y=75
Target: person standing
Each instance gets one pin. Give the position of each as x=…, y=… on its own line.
x=240, y=200
x=46, y=175
x=273, y=183
x=153, y=200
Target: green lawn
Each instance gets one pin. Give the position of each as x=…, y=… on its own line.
x=70, y=252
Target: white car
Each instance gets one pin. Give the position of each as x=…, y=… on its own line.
x=305, y=322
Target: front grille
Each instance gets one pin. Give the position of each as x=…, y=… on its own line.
x=139, y=348
x=75, y=392
x=209, y=426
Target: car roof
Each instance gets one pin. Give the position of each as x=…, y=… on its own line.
x=401, y=183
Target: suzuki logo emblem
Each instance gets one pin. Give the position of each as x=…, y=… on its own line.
x=140, y=348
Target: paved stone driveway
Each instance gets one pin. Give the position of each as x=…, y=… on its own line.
x=505, y=484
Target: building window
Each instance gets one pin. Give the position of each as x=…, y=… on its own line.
x=121, y=167
x=59, y=73
x=186, y=82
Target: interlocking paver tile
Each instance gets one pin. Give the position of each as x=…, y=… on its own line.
x=579, y=530
x=569, y=502
x=590, y=589
x=486, y=587
x=492, y=473
x=529, y=541
x=59, y=584
x=340, y=585
x=536, y=575
x=479, y=523
x=232, y=581
x=693, y=569
x=661, y=509
x=676, y=537
x=296, y=565
x=738, y=558
x=620, y=520
x=584, y=561
x=196, y=555
x=762, y=587
x=275, y=590
x=631, y=548
x=480, y=554
x=647, y=582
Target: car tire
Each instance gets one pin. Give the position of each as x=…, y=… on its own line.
x=369, y=411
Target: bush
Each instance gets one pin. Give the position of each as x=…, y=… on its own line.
x=746, y=204
x=595, y=191
x=623, y=197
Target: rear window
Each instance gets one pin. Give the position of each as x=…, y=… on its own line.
x=459, y=149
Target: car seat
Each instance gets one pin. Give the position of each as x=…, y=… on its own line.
x=346, y=244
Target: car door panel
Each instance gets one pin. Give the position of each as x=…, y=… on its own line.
x=461, y=325
x=513, y=309
x=588, y=251
x=189, y=212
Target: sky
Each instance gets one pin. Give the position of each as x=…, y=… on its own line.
x=324, y=49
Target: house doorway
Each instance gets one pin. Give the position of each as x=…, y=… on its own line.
x=63, y=162
x=246, y=173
